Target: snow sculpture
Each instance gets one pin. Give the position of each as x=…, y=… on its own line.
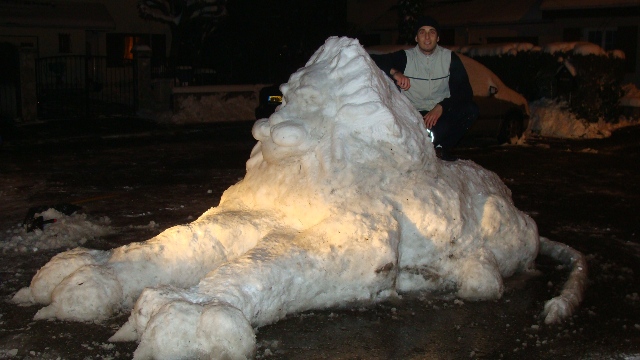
x=343, y=201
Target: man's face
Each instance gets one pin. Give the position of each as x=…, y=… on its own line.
x=427, y=39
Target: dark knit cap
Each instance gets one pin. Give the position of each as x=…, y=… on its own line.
x=427, y=21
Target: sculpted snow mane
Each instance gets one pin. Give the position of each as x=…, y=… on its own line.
x=344, y=201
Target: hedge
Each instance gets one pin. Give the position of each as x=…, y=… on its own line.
x=593, y=93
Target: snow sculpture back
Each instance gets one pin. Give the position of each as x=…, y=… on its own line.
x=343, y=202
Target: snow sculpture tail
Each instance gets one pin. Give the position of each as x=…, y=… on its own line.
x=563, y=305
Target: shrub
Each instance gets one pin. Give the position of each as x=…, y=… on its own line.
x=593, y=93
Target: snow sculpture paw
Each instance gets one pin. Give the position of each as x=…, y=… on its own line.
x=343, y=201
x=55, y=271
x=169, y=326
x=480, y=281
x=89, y=293
x=181, y=329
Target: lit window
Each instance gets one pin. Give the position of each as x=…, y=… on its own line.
x=129, y=43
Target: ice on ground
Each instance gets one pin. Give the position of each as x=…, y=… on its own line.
x=344, y=202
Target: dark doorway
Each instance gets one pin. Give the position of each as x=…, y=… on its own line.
x=9, y=82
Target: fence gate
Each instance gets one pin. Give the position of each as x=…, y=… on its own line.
x=84, y=86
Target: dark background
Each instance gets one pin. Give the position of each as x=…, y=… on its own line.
x=266, y=41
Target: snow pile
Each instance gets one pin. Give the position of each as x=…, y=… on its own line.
x=343, y=202
x=631, y=96
x=66, y=232
x=553, y=119
x=215, y=108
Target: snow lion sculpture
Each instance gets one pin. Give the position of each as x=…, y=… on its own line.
x=343, y=202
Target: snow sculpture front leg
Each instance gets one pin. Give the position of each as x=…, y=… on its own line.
x=83, y=284
x=337, y=262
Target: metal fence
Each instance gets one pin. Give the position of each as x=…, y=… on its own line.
x=9, y=105
x=84, y=86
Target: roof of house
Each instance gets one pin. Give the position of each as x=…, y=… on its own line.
x=382, y=14
x=485, y=12
x=80, y=15
x=586, y=4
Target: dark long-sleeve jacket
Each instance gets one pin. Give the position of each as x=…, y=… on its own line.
x=460, y=91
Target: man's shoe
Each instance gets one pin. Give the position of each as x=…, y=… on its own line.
x=444, y=154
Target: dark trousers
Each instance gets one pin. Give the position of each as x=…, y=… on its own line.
x=452, y=125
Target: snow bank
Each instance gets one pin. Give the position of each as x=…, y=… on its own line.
x=631, y=96
x=553, y=119
x=205, y=104
x=67, y=232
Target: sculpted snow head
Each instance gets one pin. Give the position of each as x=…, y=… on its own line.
x=355, y=126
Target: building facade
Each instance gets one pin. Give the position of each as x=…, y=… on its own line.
x=51, y=28
x=612, y=24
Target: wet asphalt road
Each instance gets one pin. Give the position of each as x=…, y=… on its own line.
x=583, y=193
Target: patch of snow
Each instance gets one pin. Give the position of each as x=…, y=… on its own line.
x=494, y=49
x=67, y=231
x=551, y=118
x=576, y=47
x=631, y=96
x=8, y=353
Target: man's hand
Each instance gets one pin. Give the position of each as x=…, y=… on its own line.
x=431, y=118
x=401, y=80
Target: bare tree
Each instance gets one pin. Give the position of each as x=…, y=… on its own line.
x=191, y=22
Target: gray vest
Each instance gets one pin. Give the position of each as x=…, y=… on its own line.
x=429, y=77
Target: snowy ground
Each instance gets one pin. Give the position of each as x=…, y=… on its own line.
x=582, y=192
